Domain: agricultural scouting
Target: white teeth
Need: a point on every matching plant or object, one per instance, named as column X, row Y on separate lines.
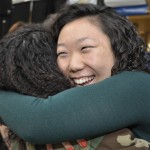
column 83, row 80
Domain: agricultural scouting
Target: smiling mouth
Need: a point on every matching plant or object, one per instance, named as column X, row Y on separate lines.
column 83, row 81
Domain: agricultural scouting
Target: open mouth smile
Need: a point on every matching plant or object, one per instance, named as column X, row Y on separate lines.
column 83, row 81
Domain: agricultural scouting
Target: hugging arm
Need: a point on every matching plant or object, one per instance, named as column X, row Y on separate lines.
column 1, row 121
column 82, row 112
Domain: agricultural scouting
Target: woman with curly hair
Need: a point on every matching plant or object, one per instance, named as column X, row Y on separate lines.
column 28, row 66
column 28, row 63
column 93, row 44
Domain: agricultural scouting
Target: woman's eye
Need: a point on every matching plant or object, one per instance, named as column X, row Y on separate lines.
column 61, row 54
column 86, row 47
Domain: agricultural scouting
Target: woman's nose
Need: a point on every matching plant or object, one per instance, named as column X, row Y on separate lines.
column 76, row 63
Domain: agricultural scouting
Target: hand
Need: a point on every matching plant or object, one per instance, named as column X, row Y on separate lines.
column 49, row 147
column 4, row 131
column 81, row 142
column 68, row 146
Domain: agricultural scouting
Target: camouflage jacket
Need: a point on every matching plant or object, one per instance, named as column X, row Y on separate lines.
column 119, row 140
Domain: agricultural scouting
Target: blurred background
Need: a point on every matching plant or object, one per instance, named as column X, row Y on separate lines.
column 36, row 11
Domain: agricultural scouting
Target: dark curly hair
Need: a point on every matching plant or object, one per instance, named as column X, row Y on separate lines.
column 28, row 63
column 127, row 45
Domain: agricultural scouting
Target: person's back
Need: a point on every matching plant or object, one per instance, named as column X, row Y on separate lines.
column 28, row 65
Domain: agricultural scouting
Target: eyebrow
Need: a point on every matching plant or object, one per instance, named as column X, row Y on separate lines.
column 78, row 40
column 60, row 44
column 85, row 38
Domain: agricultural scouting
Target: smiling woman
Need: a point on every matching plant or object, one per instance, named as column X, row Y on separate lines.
column 105, row 46
column 85, row 55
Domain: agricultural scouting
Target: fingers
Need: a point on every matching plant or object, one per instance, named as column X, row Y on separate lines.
column 4, row 131
column 82, row 143
column 67, row 146
column 49, row 147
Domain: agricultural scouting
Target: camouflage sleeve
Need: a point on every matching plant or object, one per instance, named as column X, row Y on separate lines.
column 118, row 102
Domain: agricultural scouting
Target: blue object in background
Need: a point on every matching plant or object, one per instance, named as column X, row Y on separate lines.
column 132, row 10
